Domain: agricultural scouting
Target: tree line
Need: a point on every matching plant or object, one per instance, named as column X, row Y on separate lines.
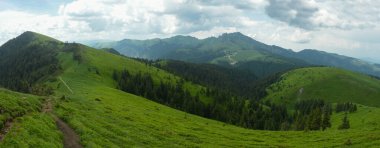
column 346, row 107
column 240, row 82
column 312, row 114
column 227, row 107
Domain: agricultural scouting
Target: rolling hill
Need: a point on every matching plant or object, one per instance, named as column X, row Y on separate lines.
column 331, row 84
column 86, row 96
column 120, row 118
column 236, row 50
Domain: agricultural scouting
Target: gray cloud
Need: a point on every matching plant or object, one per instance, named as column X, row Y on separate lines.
column 238, row 4
column 294, row 12
column 314, row 15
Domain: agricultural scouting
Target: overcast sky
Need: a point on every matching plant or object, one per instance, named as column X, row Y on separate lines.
column 348, row 27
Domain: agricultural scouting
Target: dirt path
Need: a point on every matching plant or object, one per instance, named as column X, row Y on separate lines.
column 46, row 108
column 70, row 138
column 7, row 126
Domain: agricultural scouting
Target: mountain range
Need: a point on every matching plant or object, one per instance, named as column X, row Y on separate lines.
column 236, row 50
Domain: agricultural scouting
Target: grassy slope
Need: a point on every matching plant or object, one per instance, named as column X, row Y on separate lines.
column 106, row 117
column 331, row 84
column 33, row 129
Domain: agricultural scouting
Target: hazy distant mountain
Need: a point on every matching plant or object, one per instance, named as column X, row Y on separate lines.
column 235, row 50
column 370, row 60
column 231, row 50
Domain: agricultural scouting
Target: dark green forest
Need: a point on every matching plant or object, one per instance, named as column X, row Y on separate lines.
column 24, row 62
column 227, row 107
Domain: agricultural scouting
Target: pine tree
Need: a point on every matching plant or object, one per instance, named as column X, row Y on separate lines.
column 326, row 118
column 114, row 75
column 345, row 123
column 315, row 119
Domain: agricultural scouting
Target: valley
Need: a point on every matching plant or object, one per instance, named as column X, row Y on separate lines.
column 189, row 74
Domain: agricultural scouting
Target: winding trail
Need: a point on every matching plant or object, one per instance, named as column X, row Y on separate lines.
column 7, row 126
column 70, row 138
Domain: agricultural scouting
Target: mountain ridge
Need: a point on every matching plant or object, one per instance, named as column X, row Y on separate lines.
column 210, row 50
column 231, row 50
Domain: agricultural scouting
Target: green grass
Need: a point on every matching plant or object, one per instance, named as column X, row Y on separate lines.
column 366, row 118
column 106, row 117
column 246, row 56
column 14, row 104
column 30, row 127
column 33, row 130
column 330, row 84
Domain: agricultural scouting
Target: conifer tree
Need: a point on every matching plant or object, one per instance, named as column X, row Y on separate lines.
column 345, row 123
column 326, row 118
column 315, row 119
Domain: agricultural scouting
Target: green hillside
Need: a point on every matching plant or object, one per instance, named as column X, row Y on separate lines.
column 86, row 97
column 105, row 116
column 21, row 115
column 27, row 60
column 330, row 84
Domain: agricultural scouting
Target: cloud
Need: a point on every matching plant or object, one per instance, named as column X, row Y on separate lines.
column 242, row 4
column 311, row 14
column 294, row 12
column 300, row 36
column 159, row 16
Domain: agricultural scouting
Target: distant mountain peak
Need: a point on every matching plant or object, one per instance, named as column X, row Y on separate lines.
column 238, row 36
column 29, row 36
column 183, row 37
column 30, row 33
column 233, row 34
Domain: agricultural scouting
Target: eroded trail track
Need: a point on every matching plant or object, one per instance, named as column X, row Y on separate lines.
column 70, row 138
column 7, row 126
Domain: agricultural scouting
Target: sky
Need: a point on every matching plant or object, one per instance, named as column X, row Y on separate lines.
column 347, row 27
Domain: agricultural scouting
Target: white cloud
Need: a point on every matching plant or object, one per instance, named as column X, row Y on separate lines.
column 301, row 36
column 14, row 23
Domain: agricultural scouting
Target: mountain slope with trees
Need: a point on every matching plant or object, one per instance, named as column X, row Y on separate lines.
column 26, row 60
column 230, row 50
column 168, row 127
column 113, row 101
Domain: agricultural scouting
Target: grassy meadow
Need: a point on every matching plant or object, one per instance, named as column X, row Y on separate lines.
column 29, row 126
column 106, row 117
column 330, row 84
